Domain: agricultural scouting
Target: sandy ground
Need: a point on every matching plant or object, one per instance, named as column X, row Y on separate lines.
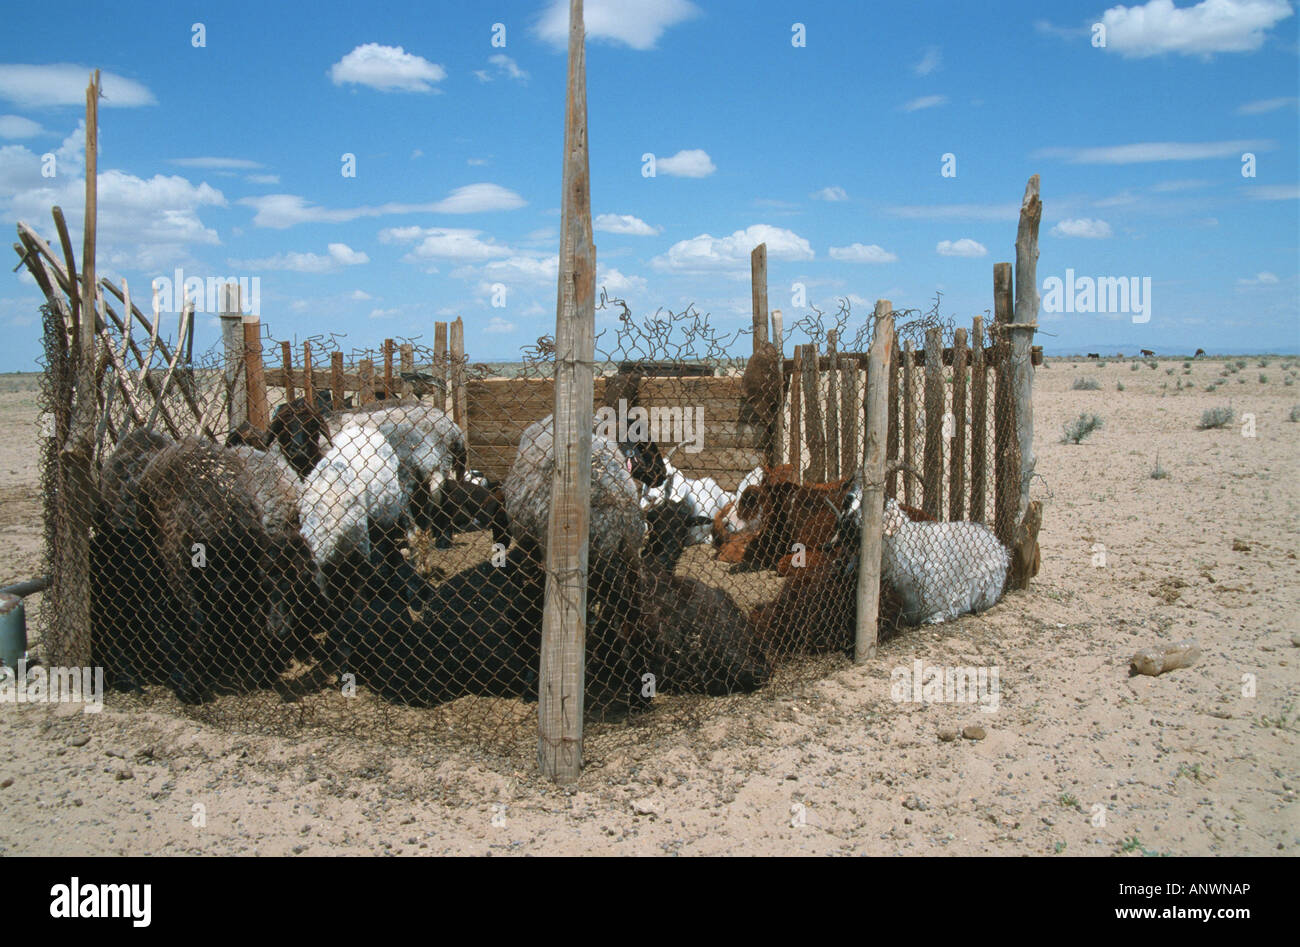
column 1078, row 759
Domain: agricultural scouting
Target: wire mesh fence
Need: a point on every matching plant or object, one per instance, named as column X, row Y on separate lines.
column 374, row 559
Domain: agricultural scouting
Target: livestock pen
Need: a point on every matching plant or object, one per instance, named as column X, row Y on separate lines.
column 407, row 545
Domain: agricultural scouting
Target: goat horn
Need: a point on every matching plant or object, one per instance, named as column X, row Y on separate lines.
column 669, row 456
column 834, row 508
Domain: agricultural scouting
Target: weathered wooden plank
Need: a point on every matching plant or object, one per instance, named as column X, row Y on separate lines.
column 849, row 413
column 813, row 424
column 1025, row 319
column 891, row 444
column 758, row 293
column 1006, row 448
column 932, row 461
column 832, row 407
column 957, row 468
column 866, row 635
column 259, row 411
column 979, row 382
column 909, row 422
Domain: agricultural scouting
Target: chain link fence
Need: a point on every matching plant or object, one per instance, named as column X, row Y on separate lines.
column 374, row 559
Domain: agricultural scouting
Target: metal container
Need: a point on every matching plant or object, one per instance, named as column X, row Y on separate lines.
column 13, row 630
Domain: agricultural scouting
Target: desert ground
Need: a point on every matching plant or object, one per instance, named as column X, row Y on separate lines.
column 1078, row 759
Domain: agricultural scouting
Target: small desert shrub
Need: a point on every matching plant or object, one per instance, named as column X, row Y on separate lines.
column 1289, row 380
column 1216, row 417
column 1158, row 472
column 1263, row 363
column 1080, row 427
column 1211, row 387
column 1187, row 364
column 1119, row 386
column 1241, row 381
column 1133, row 366
column 1169, row 371
column 1295, row 414
column 1086, row 384
column 1102, row 364
column 1240, row 363
column 1263, row 379
column 1153, row 365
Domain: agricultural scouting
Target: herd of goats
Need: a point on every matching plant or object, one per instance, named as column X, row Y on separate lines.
column 214, row 567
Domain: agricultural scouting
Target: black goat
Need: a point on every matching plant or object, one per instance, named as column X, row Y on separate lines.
column 465, row 507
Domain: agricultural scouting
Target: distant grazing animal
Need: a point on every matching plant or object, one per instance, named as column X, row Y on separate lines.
column 1199, row 353
column 1148, row 353
column 1094, row 355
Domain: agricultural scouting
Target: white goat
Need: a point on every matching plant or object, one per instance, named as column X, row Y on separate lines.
column 702, row 497
column 941, row 570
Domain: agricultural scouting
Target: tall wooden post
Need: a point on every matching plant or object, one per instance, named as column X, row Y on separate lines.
column 758, row 292
column 1024, row 323
column 286, row 359
column 232, row 337
column 308, row 382
column 1006, row 449
column 813, row 415
column 564, row 619
column 259, row 412
column 957, row 451
column 891, row 442
column 440, row 363
column 978, row 423
column 796, row 413
column 833, row 407
column 406, row 365
column 879, row 367
column 336, row 379
column 389, row 388
column 459, row 407
column 932, row 462
column 777, row 449
column 72, row 557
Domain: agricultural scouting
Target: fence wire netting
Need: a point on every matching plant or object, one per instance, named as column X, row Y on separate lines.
column 371, row 558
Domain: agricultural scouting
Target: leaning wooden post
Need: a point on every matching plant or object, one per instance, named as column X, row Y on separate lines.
column 459, row 407
column 308, row 382
column 1006, row 449
column 72, row 561
column 932, row 463
column 879, row 365
column 1024, row 323
column 978, row 423
column 758, row 292
column 564, row 619
column 259, row 412
column 833, row 407
column 957, row 468
column 232, row 337
column 777, row 448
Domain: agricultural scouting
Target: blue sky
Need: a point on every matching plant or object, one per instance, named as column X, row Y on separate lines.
column 226, row 159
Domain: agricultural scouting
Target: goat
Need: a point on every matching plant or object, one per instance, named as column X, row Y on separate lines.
column 701, row 494
column 246, row 435
column 464, row 506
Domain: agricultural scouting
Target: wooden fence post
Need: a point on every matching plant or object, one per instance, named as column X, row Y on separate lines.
column 308, row 382
column 286, row 359
column 459, row 408
column 1006, row 449
column 777, row 451
column 873, row 484
column 440, row 372
column 561, row 672
column 813, row 415
column 849, row 415
column 957, row 467
column 389, row 387
column 259, row 412
column 232, row 336
column 758, row 292
column 796, row 413
column 1025, row 322
column 891, row 442
column 909, row 422
column 406, row 365
column 979, row 432
column 932, row 463
column 366, row 382
column 833, row 407
column 337, row 392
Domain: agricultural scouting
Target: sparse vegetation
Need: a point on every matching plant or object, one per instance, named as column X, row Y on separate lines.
column 1240, row 363
column 1133, row 366
column 1295, row 414
column 1263, row 363
column 1086, row 384
column 1080, row 427
column 1263, row 379
column 1216, row 417
column 1153, row 364
column 1158, row 472
column 1187, row 365
column 1119, row 386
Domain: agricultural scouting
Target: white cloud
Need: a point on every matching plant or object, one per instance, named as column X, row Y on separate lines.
column 523, row 269
column 1085, row 227
column 707, row 252
column 222, row 164
column 497, row 325
column 65, row 84
column 625, row 224
column 339, row 254
column 1261, row 106
column 360, row 294
column 263, row 178
column 475, row 198
column 1144, row 152
column 444, row 243
column 833, row 193
column 476, row 162
column 925, row 102
column 617, row 283
column 387, row 69
column 1211, row 26
column 15, row 126
column 1260, row 279
column 931, row 61
column 691, row 163
column 384, row 313
column 508, row 67
column 964, row 247
column 638, row 25
column 858, row 253
column 285, row 210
